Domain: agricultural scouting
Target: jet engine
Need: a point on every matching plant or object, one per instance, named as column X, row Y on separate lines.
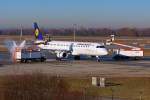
column 62, row 55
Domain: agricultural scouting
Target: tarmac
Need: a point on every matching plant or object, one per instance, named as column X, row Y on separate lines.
column 107, row 67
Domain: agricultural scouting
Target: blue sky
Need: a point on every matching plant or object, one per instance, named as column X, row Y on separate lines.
column 85, row 13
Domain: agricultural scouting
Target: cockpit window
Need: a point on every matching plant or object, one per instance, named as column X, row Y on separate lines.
column 100, row 47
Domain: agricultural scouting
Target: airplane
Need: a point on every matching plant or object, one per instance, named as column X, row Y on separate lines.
column 64, row 48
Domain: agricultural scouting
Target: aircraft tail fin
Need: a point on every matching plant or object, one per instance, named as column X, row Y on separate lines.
column 37, row 33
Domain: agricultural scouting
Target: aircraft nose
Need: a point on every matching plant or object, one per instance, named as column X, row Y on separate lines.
column 105, row 52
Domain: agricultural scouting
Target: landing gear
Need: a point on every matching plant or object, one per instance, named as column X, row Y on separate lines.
column 98, row 58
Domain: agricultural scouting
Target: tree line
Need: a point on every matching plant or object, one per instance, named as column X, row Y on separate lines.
column 83, row 32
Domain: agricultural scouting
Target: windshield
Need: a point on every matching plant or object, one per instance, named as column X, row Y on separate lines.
column 100, row 47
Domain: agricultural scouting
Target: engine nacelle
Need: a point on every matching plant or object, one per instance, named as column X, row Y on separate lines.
column 62, row 55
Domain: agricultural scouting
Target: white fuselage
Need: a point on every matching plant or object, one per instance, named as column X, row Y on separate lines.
column 76, row 48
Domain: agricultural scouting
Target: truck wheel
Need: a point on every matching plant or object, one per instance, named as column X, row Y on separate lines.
column 43, row 59
column 136, row 58
column 25, row 60
column 116, row 58
column 22, row 60
column 58, row 59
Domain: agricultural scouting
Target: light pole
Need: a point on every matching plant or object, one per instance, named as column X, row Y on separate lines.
column 21, row 33
column 112, row 90
column 74, row 32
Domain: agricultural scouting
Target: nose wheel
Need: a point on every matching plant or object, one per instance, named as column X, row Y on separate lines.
column 98, row 58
